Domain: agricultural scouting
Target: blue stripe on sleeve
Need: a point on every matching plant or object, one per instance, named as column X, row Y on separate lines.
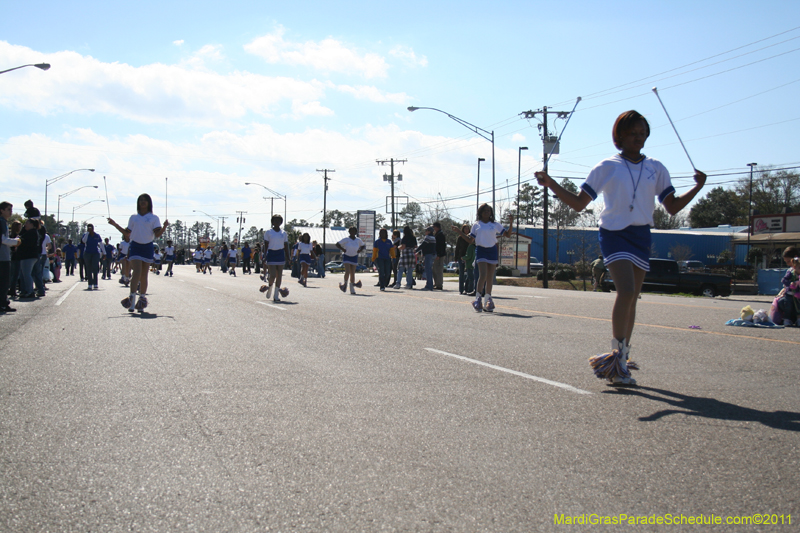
column 586, row 187
column 669, row 190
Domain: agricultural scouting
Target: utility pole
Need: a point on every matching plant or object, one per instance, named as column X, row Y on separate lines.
column 547, row 150
column 324, row 210
column 390, row 178
column 271, row 207
column 240, row 219
column 222, row 235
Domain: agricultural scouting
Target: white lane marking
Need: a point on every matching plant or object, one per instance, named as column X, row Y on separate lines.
column 514, row 372
column 522, row 296
column 212, row 288
column 60, row 300
column 270, row 305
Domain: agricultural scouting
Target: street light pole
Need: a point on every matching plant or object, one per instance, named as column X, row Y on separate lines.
column 42, row 66
column 60, row 196
column 49, row 182
column 478, row 194
column 519, row 175
column 278, row 195
column 212, row 217
column 488, row 135
column 83, row 205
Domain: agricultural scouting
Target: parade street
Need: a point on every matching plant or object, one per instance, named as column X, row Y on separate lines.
column 219, row 410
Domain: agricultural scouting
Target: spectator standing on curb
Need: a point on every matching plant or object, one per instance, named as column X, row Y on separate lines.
column 383, row 253
column 461, row 249
column 408, row 258
column 428, row 251
column 441, row 256
column 320, row 259
column 598, row 270
column 5, row 257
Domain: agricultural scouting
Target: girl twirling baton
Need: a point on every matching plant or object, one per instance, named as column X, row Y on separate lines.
column 629, row 182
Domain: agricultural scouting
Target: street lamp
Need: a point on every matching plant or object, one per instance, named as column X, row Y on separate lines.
column 49, row 182
column 750, row 208
column 519, row 173
column 488, row 135
column 60, row 196
column 43, row 66
column 83, row 205
column 277, row 194
column 212, row 217
column 478, row 195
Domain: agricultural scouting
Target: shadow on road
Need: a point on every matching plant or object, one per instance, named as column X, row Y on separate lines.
column 711, row 408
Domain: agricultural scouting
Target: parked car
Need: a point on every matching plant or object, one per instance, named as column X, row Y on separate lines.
column 665, row 276
column 534, row 265
column 451, row 267
column 334, row 266
column 692, row 266
column 337, row 266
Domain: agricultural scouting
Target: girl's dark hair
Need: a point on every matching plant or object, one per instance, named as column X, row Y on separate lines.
column 149, row 203
column 306, row 238
column 791, row 251
column 280, row 220
column 626, row 121
column 484, row 207
column 408, row 232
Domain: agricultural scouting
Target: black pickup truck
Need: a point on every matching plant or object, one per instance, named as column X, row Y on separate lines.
column 665, row 276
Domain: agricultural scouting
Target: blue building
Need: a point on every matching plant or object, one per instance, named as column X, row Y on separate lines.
column 706, row 244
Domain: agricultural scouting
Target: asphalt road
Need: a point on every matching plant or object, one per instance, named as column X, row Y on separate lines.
column 400, row 411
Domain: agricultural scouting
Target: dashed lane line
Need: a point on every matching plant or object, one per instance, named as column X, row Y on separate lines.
column 513, row 372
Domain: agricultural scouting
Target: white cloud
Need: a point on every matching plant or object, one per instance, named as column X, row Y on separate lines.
column 155, row 93
column 302, row 109
column 406, row 55
column 328, row 55
column 363, row 92
column 179, row 42
column 518, row 138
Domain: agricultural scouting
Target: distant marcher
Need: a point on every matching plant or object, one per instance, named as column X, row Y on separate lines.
column 484, row 235
column 350, row 246
column 70, row 250
column 276, row 244
column 246, row 252
column 306, row 255
column 169, row 258
column 92, row 252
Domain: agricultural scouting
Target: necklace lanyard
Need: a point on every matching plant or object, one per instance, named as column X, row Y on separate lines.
column 639, row 179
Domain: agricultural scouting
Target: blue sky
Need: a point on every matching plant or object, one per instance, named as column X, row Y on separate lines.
column 214, row 96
